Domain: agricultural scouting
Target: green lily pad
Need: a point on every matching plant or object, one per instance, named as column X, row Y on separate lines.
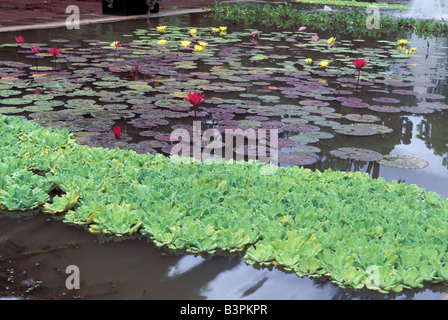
column 358, row 154
column 403, row 161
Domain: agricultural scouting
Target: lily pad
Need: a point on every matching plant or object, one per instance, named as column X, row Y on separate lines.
column 357, row 154
column 296, row 158
column 403, row 161
column 362, row 117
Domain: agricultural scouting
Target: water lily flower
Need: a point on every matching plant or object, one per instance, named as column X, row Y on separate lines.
column 202, row 43
column 331, row 42
column 324, row 63
column 162, row 41
column 36, row 50
column 115, row 44
column 359, row 63
column 302, row 28
column 118, row 132
column 19, row 40
column 55, row 52
column 185, row 43
column 193, row 31
column 195, row 99
column 309, row 60
column 198, row 48
column 401, row 47
column 254, row 33
column 215, row 30
column 402, row 41
column 414, row 49
column 223, row 28
column 161, row 28
column 315, row 38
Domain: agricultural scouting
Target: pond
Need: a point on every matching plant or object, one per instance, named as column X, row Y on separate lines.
column 393, row 127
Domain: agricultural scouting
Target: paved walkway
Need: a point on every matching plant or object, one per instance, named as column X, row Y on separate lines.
column 56, row 22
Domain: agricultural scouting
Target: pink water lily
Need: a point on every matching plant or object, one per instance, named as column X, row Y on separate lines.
column 254, row 33
column 55, row 52
column 359, row 63
column 315, row 38
column 195, row 99
column 36, row 50
column 118, row 132
column 19, row 40
column 302, row 28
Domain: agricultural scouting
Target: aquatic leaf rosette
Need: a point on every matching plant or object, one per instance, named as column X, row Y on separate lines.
column 358, row 231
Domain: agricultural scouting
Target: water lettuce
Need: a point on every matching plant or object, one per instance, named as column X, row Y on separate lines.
column 340, row 225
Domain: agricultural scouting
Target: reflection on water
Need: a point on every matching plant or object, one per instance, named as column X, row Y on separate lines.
column 134, row 269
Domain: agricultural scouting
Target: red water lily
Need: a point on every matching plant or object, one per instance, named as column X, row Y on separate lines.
column 118, row 132
column 195, row 99
column 55, row 52
column 359, row 63
column 19, row 40
column 36, row 50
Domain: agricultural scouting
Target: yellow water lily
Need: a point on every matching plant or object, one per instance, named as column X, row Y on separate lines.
column 162, row 41
column 401, row 47
column 413, row 49
column 185, row 43
column 331, row 41
column 223, row 28
column 324, row 63
column 309, row 60
column 402, row 41
column 202, row 43
column 193, row 31
column 115, row 44
column 215, row 30
column 161, row 28
column 198, row 48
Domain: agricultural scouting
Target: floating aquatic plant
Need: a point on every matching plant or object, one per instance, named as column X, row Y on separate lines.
column 333, row 224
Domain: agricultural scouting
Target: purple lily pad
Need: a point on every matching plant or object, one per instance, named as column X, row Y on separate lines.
column 417, row 110
column 147, row 123
column 386, row 100
column 358, row 105
column 300, row 127
column 432, row 96
column 386, row 109
column 296, row 158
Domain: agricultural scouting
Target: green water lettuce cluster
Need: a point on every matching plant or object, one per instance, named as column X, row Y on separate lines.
column 357, row 231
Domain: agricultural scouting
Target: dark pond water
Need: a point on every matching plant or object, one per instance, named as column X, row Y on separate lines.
column 261, row 82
